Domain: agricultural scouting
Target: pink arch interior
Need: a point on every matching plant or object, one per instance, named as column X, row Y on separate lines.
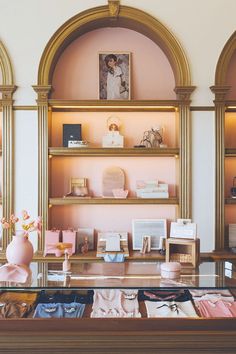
column 76, row 73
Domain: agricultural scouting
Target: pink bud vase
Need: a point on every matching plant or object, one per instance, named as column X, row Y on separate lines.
column 20, row 250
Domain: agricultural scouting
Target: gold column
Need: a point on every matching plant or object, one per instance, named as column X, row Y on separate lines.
column 185, row 191
column 7, row 156
column 42, row 102
column 220, row 95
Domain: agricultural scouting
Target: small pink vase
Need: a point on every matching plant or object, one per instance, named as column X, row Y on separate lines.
column 20, row 250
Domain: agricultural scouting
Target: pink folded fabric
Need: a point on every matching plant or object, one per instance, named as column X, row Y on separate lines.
column 15, row 273
column 217, row 309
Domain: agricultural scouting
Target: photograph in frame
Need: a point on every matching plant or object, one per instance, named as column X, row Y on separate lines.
column 155, row 228
column 114, row 75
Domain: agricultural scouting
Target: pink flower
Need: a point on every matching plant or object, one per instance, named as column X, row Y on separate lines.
column 13, row 219
column 3, row 220
column 6, row 225
column 25, row 215
column 38, row 224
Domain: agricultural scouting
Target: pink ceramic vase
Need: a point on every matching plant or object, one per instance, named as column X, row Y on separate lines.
column 20, row 250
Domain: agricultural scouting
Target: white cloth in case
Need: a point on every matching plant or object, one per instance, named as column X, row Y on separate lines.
column 170, row 309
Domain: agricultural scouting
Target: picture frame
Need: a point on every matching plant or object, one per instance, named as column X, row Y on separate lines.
column 155, row 228
column 114, row 75
column 183, row 228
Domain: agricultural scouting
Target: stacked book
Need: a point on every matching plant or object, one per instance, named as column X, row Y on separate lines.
column 151, row 189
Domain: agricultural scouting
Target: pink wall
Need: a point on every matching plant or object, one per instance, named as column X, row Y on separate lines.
column 230, row 77
column 117, row 217
column 133, row 125
column 230, row 127
column 135, row 168
column 76, row 73
column 230, row 172
column 108, row 217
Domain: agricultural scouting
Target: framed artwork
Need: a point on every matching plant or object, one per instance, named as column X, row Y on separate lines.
column 155, row 228
column 114, row 75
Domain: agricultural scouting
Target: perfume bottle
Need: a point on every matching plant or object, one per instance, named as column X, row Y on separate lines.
column 66, row 264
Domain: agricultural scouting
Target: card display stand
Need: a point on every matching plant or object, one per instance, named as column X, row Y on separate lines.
column 185, row 251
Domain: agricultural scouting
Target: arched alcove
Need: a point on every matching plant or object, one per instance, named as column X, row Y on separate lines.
column 62, row 72
column 225, row 129
column 130, row 18
column 76, row 73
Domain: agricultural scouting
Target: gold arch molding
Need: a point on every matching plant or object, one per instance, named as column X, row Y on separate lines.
column 5, row 66
column 224, row 60
column 128, row 17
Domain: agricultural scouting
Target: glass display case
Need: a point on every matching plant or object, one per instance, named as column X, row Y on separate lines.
column 120, row 286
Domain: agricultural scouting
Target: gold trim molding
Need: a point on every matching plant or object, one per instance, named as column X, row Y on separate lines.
column 220, row 96
column 114, row 7
column 129, row 17
column 185, row 190
column 224, row 60
column 5, row 65
column 7, row 155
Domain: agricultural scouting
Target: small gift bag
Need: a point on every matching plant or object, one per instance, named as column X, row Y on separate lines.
column 69, row 236
column 52, row 238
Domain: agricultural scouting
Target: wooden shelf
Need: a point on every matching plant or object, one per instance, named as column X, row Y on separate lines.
column 100, row 200
column 63, row 151
column 91, row 257
column 230, row 152
column 113, row 106
column 230, row 200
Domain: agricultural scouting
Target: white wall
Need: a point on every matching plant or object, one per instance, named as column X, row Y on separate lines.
column 202, row 28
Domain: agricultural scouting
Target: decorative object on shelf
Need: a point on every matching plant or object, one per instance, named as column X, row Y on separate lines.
column 103, row 247
column 112, row 242
column 51, row 237
column 78, row 188
column 146, row 245
column 59, row 249
column 151, row 189
column 114, row 75
column 83, row 233
column 233, row 189
column 185, row 251
column 170, row 270
column 140, row 146
column 113, row 178
column 66, row 266
column 78, row 144
column 153, row 138
column 20, row 250
column 84, row 247
column 232, row 235
column 113, row 138
column 71, row 132
column 155, row 228
column 183, row 228
column 120, row 193
column 69, row 236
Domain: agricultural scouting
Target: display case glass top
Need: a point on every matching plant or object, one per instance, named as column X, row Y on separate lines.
column 136, row 275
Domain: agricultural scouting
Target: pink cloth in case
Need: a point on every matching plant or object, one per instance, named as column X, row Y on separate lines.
column 218, row 309
column 115, row 303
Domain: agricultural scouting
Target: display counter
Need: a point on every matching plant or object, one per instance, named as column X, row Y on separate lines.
column 143, row 334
